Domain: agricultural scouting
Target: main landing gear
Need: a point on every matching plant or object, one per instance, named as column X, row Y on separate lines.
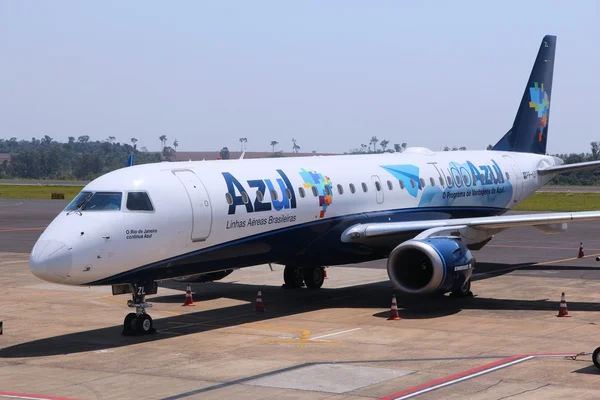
column 464, row 291
column 139, row 322
column 297, row 277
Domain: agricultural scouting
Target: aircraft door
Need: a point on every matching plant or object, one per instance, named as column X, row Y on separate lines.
column 378, row 189
column 516, row 179
column 200, row 203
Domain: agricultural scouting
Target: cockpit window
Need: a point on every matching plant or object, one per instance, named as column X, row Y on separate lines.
column 139, row 201
column 96, row 201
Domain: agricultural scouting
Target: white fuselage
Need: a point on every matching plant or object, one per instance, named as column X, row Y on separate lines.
column 211, row 207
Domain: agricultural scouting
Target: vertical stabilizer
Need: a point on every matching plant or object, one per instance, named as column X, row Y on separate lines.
column 529, row 132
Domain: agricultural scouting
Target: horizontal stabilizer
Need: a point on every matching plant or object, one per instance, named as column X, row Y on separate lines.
column 569, row 168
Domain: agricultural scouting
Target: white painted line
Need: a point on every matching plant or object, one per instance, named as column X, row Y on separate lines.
column 332, row 334
column 485, row 371
column 10, row 396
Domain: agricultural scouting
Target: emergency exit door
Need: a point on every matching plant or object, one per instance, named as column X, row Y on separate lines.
column 200, row 204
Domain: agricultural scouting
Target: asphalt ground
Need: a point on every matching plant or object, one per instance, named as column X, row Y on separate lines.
column 332, row 343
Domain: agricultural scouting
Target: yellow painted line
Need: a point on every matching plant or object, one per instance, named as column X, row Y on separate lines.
column 564, row 259
column 301, row 341
column 21, row 229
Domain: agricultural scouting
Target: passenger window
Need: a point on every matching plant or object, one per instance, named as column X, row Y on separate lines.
column 401, row 184
column 378, row 186
column 449, row 180
column 340, row 189
column 274, row 195
column 364, row 187
column 412, row 183
column 441, row 181
column 422, row 182
column 458, row 180
column 315, row 191
column 245, row 197
column 390, row 186
column 227, row 197
column 259, row 196
column 432, row 181
column 465, row 179
column 139, row 201
column 507, row 176
column 327, row 191
column 301, row 191
column 352, row 189
column 104, row 201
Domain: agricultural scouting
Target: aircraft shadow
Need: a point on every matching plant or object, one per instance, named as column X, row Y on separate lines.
column 278, row 302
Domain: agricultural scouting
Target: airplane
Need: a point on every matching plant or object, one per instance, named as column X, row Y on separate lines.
column 425, row 211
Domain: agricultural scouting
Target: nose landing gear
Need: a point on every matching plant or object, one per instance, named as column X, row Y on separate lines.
column 139, row 322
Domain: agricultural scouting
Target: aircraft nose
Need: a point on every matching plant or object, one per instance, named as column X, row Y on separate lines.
column 51, row 260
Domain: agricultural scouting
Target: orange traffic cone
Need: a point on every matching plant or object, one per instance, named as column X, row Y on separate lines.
column 562, row 311
column 260, row 306
column 394, row 311
column 189, row 301
column 580, row 255
column 325, row 273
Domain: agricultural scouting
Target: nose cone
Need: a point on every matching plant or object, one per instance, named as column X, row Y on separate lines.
column 51, row 260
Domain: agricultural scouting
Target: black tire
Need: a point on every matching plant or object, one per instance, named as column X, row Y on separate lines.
column 464, row 291
column 144, row 324
column 129, row 324
column 292, row 277
column 596, row 357
column 314, row 277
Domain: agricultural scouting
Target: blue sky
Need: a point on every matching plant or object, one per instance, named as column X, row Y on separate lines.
column 329, row 74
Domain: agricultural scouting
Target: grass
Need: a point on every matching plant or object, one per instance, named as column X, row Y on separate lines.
column 37, row 191
column 548, row 201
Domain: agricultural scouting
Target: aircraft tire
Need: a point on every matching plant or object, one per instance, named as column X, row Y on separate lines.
column 464, row 291
column 292, row 277
column 596, row 357
column 314, row 277
column 129, row 324
column 144, row 324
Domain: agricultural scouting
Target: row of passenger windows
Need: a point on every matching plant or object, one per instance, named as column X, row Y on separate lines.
column 458, row 181
column 110, row 201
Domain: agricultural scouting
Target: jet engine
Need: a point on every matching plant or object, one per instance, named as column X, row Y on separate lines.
column 203, row 278
column 427, row 266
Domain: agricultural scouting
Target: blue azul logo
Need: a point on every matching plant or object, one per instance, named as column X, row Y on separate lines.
column 285, row 197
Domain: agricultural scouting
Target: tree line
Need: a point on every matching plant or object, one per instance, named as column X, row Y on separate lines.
column 83, row 159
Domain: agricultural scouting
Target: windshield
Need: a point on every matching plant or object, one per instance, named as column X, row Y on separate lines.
column 96, row 201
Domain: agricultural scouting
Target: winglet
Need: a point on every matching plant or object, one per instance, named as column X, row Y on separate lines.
column 129, row 160
column 242, row 156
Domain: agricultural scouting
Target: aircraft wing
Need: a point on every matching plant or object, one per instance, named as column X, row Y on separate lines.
column 367, row 232
column 568, row 167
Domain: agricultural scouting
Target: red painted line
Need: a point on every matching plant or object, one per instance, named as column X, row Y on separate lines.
column 470, row 373
column 14, row 395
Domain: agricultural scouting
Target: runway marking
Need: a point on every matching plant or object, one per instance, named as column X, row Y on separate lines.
column 13, row 262
column 305, row 333
column 22, row 229
column 469, row 374
column 11, row 205
column 332, row 334
column 13, row 395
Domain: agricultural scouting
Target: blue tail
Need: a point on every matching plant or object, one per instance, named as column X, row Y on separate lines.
column 129, row 160
column 529, row 132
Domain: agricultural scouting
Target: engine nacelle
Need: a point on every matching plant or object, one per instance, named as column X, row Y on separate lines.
column 203, row 278
column 421, row 267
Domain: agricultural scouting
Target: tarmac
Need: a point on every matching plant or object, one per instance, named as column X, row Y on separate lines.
column 334, row 343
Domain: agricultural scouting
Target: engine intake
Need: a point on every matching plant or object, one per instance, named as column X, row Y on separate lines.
column 421, row 267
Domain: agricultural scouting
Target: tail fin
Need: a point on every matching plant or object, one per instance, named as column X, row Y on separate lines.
column 529, row 132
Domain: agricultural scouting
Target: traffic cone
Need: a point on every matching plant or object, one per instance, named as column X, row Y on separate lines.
column 325, row 273
column 562, row 311
column 580, row 255
column 189, row 301
column 260, row 306
column 394, row 310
